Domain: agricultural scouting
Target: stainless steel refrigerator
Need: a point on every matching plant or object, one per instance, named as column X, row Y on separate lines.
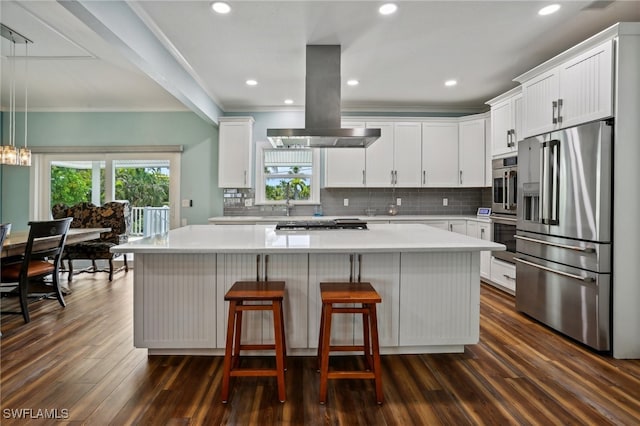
column 564, row 230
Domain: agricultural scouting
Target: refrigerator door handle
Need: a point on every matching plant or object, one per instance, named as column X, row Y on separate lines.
column 564, row 246
column 554, row 184
column 544, row 178
column 588, row 280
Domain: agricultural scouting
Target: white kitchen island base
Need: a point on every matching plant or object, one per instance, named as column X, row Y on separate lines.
column 430, row 286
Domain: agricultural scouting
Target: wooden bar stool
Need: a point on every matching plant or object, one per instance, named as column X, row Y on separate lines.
column 364, row 294
column 254, row 291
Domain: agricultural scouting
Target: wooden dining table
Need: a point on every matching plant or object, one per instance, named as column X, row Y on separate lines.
column 16, row 242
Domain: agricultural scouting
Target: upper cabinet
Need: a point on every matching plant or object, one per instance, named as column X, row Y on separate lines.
column 428, row 153
column 392, row 160
column 471, row 148
column 345, row 167
column 406, row 154
column 440, row 154
column 379, row 157
column 574, row 92
column 235, row 165
column 506, row 122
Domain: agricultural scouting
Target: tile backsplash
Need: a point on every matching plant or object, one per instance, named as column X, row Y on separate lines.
column 414, row 201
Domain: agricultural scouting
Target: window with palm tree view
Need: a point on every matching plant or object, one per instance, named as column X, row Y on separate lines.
column 288, row 174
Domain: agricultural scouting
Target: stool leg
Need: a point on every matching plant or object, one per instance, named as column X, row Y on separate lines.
column 319, row 357
column 228, row 351
column 326, row 341
column 235, row 356
column 368, row 361
column 279, row 338
column 377, row 368
column 284, row 336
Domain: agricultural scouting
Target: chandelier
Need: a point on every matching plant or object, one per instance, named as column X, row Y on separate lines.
column 10, row 153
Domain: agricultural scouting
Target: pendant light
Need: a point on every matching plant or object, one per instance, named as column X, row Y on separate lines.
column 9, row 154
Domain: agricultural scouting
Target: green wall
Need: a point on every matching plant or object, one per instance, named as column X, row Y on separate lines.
column 199, row 177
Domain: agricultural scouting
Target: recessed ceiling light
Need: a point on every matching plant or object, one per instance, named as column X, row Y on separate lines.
column 288, row 101
column 251, row 82
column 387, row 9
column 220, row 7
column 450, row 83
column 353, row 82
column 548, row 10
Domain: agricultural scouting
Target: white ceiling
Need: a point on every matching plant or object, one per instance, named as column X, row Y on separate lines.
column 101, row 61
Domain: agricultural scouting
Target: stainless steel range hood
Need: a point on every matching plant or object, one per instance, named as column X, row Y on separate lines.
column 322, row 108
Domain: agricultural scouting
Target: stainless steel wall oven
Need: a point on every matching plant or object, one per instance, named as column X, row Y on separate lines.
column 505, row 185
column 504, row 231
column 504, row 204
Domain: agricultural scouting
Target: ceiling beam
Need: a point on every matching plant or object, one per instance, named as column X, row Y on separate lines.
column 122, row 28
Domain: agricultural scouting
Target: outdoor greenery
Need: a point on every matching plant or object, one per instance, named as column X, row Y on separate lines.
column 296, row 184
column 141, row 186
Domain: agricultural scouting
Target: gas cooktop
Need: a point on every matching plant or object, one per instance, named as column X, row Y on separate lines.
column 347, row 223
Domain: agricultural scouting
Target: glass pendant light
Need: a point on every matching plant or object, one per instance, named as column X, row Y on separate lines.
column 9, row 154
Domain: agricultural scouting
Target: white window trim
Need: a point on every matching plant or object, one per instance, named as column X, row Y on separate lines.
column 40, row 179
column 261, row 146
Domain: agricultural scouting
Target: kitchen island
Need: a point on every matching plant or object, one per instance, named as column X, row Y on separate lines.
column 429, row 280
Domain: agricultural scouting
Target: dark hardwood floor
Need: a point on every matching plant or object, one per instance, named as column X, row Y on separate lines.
column 79, row 363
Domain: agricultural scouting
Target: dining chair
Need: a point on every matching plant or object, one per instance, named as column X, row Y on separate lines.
column 4, row 231
column 41, row 258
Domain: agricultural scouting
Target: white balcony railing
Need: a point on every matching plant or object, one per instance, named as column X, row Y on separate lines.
column 148, row 221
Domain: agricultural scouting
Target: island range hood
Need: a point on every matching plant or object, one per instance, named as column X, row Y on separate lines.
column 322, row 108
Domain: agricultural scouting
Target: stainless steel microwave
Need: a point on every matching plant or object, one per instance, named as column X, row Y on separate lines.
column 504, row 185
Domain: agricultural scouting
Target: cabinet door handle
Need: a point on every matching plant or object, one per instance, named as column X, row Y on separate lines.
column 245, row 177
column 559, row 111
column 364, row 178
column 258, row 267
column 424, row 177
column 359, row 267
column 391, row 177
column 266, row 267
column 554, row 106
column 350, row 268
column 451, row 227
column 508, row 138
column 460, row 177
column 395, row 177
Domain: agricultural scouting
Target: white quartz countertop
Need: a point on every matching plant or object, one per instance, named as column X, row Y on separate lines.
column 372, row 219
column 378, row 238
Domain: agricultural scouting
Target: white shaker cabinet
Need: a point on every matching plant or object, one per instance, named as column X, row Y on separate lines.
column 472, row 153
column 235, row 165
column 458, row 226
column 440, row 154
column 394, row 159
column 503, row 275
column 506, row 122
column 574, row 92
column 482, row 231
column 406, row 154
column 345, row 167
column 379, row 157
